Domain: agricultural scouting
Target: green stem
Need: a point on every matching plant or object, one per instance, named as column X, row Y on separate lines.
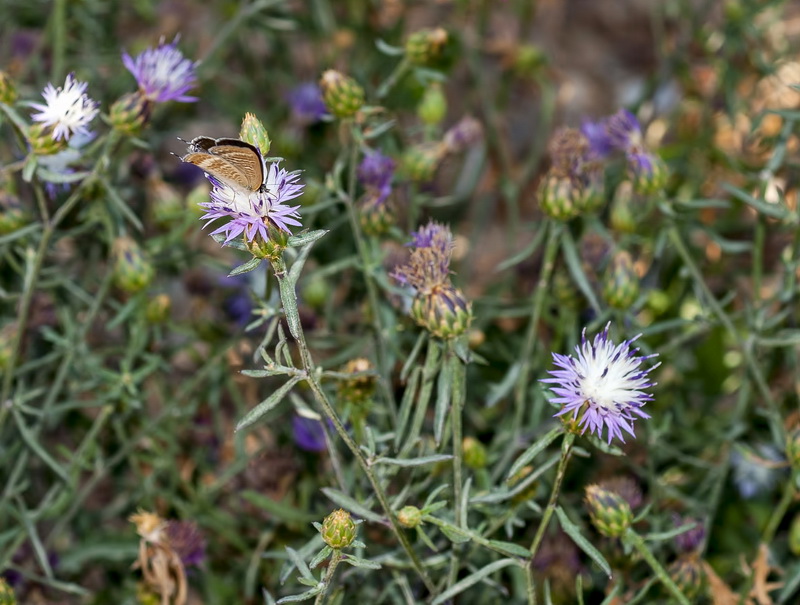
column 779, row 512
column 631, row 537
column 458, row 391
column 566, row 448
column 393, row 78
column 58, row 24
column 334, row 562
column 289, row 301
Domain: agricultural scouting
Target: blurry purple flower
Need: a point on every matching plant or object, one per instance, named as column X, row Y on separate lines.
column 752, row 476
column 603, row 385
column 689, row 540
column 163, row 73
column 68, row 109
column 464, row 134
column 375, row 172
column 618, row 132
column 187, row 541
column 429, row 265
column 306, row 103
column 308, row 434
column 251, row 214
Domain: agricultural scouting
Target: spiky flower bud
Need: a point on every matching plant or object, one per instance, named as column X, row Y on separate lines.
column 409, row 516
column 591, row 196
column 132, row 270
column 253, row 132
column 158, row 308
column 7, row 596
column 270, row 248
column 375, row 217
column 793, row 447
column 343, row 96
column 556, row 197
column 42, row 141
column 648, row 172
column 622, row 216
column 433, row 105
column 419, row 163
column 621, row 283
column 610, row 513
column 425, row 45
column 361, row 386
column 688, row 574
column 463, row 134
column 338, row 529
column 130, row 112
column 8, row 92
column 12, row 214
column 444, row 311
column 474, row 453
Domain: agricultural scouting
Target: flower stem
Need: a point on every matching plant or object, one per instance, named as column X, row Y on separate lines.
column 458, row 376
column 289, row 300
column 393, row 78
column 334, row 562
column 631, row 537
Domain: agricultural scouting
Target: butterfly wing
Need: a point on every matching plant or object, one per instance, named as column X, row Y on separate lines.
column 245, row 157
column 220, row 168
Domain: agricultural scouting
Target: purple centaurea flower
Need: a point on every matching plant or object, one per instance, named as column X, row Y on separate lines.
column 186, row 539
column 163, row 73
column 429, row 265
column 375, row 172
column 618, row 132
column 309, row 434
column 68, row 109
column 305, row 101
column 252, row 212
column 603, row 385
column 689, row 540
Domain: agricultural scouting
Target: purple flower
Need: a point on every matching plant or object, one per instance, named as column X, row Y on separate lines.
column 689, row 540
column 163, row 73
column 429, row 265
column 187, row 541
column 306, row 103
column 309, row 434
column 251, row 213
column 375, row 172
column 619, row 132
column 68, row 109
column 603, row 385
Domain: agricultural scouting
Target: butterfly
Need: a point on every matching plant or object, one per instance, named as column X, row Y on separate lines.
column 232, row 162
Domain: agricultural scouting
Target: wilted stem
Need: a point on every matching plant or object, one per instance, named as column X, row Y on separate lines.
column 638, row 543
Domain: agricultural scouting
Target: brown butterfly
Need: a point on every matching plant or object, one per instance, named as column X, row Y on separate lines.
column 232, row 162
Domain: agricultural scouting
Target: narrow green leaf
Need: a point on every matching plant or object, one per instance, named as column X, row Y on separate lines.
column 266, row 405
column 289, row 300
column 285, row 512
column 421, row 461
column 359, row 562
column 352, row 505
column 31, row 442
column 574, row 532
column 60, row 177
column 773, row 210
column 388, row 49
column 454, row 534
column 250, row 265
column 320, row 556
column 510, row 548
column 534, row 450
column 308, row 237
column 499, row 390
column 473, row 579
column 234, row 243
column 303, row 596
column 300, row 564
column 406, row 404
column 443, row 387
column 299, row 263
column 668, row 535
column 791, row 582
column 573, row 261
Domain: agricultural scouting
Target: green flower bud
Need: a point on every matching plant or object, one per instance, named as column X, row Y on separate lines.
column 8, row 92
column 7, row 596
column 41, row 140
column 648, row 172
column 409, row 516
column 794, row 536
column 621, row 283
column 338, row 529
column 270, row 249
column 166, row 203
column 253, row 132
column 12, row 214
column 528, row 60
column 419, row 163
column 592, row 195
column 132, row 270
column 130, row 113
column 425, row 45
column 556, row 197
column 360, row 388
column 622, row 215
column 375, row 217
column 610, row 513
column 343, row 96
column 316, row 292
column 793, row 447
column 158, row 309
column 688, row 574
column 474, row 453
column 433, row 105
column 444, row 312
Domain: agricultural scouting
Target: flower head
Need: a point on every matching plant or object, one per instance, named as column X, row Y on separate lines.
column 163, row 73
column 68, row 109
column 375, row 172
column 619, row 132
column 689, row 540
column 603, row 384
column 309, row 434
column 187, row 541
column 306, row 103
column 252, row 213
column 429, row 265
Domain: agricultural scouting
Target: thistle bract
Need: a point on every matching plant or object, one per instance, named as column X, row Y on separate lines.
column 338, row 529
column 610, row 513
column 343, row 96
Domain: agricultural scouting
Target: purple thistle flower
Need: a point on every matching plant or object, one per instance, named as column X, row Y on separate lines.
column 689, row 540
column 187, row 541
column 308, row 434
column 306, row 103
column 251, row 213
column 429, row 265
column 68, row 109
column 618, row 132
column 603, row 384
column 163, row 73
column 375, row 172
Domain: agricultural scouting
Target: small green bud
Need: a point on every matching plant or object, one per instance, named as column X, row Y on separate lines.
column 8, row 92
column 130, row 113
column 316, row 292
column 271, row 248
column 610, row 513
column 12, row 214
column 474, row 453
column 621, row 283
column 338, row 529
column 793, row 447
column 425, row 45
column 433, row 105
column 794, row 536
column 158, row 309
column 556, row 197
column 528, row 60
column 132, row 270
column 648, row 172
column 419, row 163
column 688, row 574
column 343, row 96
column 7, row 596
column 253, row 132
column 360, row 388
column 41, row 140
column 444, row 312
column 375, row 217
column 622, row 215
column 409, row 516
column 592, row 195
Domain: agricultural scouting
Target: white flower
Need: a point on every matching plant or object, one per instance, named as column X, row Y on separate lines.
column 68, row 110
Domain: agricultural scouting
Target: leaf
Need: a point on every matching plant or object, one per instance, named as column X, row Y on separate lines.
column 60, row 178
column 473, row 579
column 286, row 512
column 350, row 504
column 454, row 534
column 359, row 562
column 443, row 386
column 510, row 548
column 307, row 237
column 409, row 462
column 250, row 265
column 773, row 210
column 388, row 49
column 574, row 265
column 320, row 556
column 289, row 300
column 303, row 596
column 525, row 253
column 668, row 535
column 266, row 405
column 574, row 532
column 791, row 584
column 300, row 564
column 534, row 450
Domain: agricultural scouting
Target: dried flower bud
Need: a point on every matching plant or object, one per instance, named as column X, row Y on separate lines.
column 8, row 92
column 621, row 283
column 433, row 105
column 409, row 516
column 149, row 526
column 42, row 142
column 556, row 197
column 419, row 163
column 253, row 132
column 444, row 311
column 132, row 270
column 338, row 529
column 474, row 453
column 464, row 134
column 648, row 172
column 610, row 513
column 622, row 216
column 425, row 45
column 688, row 574
column 343, row 96
column 158, row 307
column 130, row 113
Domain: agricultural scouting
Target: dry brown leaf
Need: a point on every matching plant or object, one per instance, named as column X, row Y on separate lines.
column 721, row 593
column 761, row 571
